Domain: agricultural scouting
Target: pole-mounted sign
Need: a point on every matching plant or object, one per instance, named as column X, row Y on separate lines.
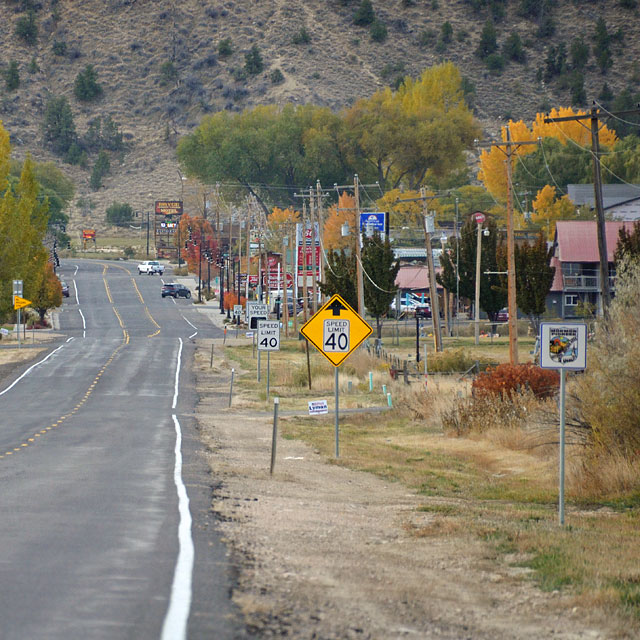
column 563, row 346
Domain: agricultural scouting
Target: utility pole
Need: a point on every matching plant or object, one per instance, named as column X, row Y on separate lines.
column 433, row 291
column 594, row 115
column 319, row 195
column 314, row 261
column 305, row 301
column 359, row 275
column 511, row 260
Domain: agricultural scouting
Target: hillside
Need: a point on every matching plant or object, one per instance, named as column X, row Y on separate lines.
column 160, row 69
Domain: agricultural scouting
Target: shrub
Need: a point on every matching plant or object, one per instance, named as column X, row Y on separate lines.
column 129, row 252
column 59, row 48
column 27, row 28
column 276, row 76
column 168, row 72
column 446, row 33
column 33, row 66
column 119, row 213
column 507, row 379
column 579, row 53
column 12, row 76
column 378, row 31
column 225, row 47
column 253, row 62
column 86, row 87
column 495, row 63
column 576, row 85
column 450, row 361
column 427, row 38
column 301, row 37
column 365, row 14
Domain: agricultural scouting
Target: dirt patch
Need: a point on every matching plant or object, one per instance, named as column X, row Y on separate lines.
column 325, row 552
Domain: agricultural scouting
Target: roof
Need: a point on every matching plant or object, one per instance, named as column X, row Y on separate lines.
column 612, row 194
column 577, row 240
column 413, row 278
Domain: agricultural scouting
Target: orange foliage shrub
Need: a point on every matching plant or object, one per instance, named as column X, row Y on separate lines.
column 231, row 299
column 507, row 379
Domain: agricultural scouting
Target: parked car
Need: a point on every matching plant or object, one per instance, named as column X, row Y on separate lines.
column 175, row 290
column 423, row 311
column 503, row 315
column 150, row 267
column 65, row 289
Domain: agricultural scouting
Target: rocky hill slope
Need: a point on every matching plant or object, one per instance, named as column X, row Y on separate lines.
column 160, row 68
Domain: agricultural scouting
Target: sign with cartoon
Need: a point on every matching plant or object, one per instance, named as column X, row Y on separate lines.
column 563, row 346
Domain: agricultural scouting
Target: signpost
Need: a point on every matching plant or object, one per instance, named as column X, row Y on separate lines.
column 17, row 299
column 563, row 346
column 268, row 340
column 336, row 330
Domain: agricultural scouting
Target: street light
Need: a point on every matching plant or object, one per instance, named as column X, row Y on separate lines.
column 479, row 218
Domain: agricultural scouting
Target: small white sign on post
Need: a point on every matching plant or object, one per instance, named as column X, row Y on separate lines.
column 563, row 346
column 4, row 332
column 268, row 335
column 318, row 407
column 237, row 310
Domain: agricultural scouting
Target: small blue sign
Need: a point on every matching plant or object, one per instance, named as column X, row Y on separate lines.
column 373, row 221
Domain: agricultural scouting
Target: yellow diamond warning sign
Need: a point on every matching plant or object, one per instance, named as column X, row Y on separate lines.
column 336, row 330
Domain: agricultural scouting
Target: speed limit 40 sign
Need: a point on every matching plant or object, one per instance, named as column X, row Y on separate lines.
column 268, row 335
column 336, row 330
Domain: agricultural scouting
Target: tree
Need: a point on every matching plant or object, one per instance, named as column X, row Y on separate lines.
column 602, row 46
column 628, row 246
column 100, row 169
column 493, row 293
column 534, row 277
column 59, row 129
column 625, row 161
column 27, row 28
column 119, row 213
column 513, row 49
column 253, row 62
column 48, row 292
column 86, row 87
column 338, row 215
column 340, row 277
column 548, row 209
column 488, row 40
column 365, row 14
column 380, row 269
column 12, row 76
column 578, row 53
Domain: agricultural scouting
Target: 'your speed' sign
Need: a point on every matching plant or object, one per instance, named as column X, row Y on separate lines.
column 268, row 335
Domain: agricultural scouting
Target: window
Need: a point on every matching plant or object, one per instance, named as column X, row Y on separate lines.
column 571, row 300
column 571, row 268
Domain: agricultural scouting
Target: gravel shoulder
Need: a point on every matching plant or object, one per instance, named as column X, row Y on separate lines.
column 325, row 552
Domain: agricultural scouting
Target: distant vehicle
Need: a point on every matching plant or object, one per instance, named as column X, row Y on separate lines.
column 150, row 267
column 423, row 311
column 503, row 315
column 65, row 289
column 175, row 290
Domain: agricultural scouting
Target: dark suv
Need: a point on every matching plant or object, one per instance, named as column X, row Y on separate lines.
column 175, row 290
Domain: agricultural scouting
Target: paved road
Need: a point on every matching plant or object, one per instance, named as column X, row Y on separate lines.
column 95, row 533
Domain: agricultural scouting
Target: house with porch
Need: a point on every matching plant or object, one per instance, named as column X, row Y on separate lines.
column 577, row 262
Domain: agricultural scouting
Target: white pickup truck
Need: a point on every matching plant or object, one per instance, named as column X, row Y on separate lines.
column 150, row 267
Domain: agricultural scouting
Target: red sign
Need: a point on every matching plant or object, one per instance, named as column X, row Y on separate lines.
column 276, row 283
column 307, row 252
column 479, row 217
column 169, row 207
column 89, row 234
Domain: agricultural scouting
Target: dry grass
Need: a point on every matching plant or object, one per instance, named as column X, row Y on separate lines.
column 498, row 483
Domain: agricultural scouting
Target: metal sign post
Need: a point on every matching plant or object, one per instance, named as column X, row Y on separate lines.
column 268, row 340
column 563, row 346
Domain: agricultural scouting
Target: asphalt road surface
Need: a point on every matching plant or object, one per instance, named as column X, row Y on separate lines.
column 105, row 527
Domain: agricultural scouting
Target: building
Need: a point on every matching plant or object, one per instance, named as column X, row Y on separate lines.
column 577, row 262
column 619, row 201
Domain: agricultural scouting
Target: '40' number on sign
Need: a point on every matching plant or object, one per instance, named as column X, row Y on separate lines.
column 336, row 336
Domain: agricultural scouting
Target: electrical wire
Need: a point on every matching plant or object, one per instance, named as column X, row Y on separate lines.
column 613, row 115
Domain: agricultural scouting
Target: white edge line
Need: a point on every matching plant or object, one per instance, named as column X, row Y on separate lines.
column 175, row 622
column 33, row 366
column 175, row 392
column 193, row 325
column 193, row 335
column 76, row 271
column 75, row 286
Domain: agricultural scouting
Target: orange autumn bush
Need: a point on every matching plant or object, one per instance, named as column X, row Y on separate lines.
column 506, row 379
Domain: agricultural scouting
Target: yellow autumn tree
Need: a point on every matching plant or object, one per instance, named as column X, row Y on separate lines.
column 281, row 223
column 577, row 131
column 548, row 209
column 343, row 212
column 493, row 161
